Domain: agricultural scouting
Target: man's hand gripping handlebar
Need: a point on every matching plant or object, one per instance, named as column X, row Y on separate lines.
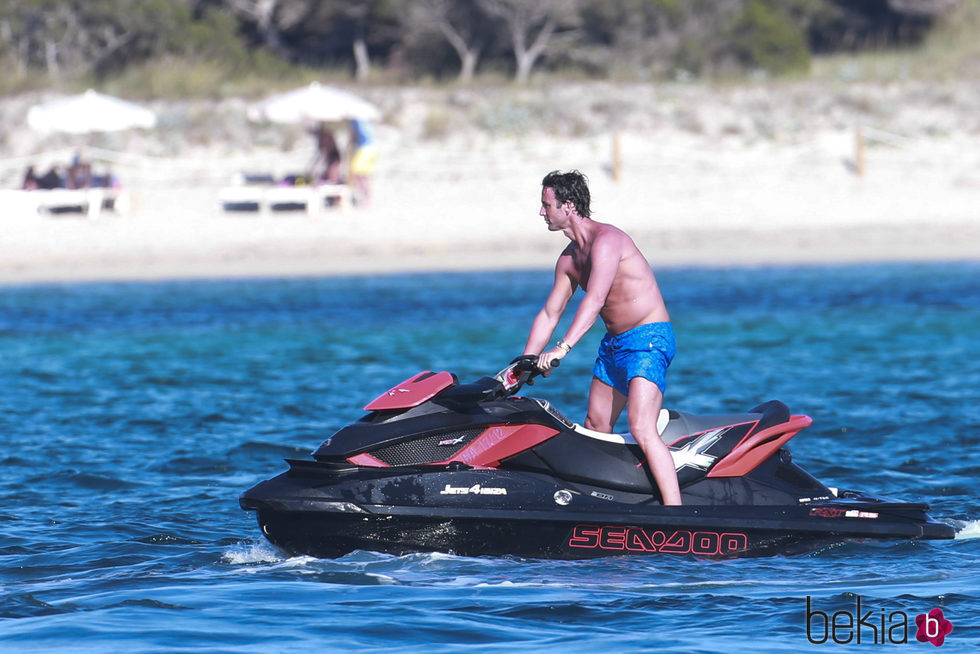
column 521, row 370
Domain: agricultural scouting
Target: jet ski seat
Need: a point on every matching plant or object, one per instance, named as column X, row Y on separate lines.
column 674, row 425
column 682, row 424
column 625, row 439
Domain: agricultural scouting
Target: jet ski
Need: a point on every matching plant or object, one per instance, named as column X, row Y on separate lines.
column 475, row 469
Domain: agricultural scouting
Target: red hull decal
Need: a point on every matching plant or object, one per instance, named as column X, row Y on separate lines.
column 747, row 455
column 412, row 392
column 367, row 461
column 500, row 442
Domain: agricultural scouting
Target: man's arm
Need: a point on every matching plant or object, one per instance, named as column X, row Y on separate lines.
column 604, row 260
column 604, row 263
column 547, row 319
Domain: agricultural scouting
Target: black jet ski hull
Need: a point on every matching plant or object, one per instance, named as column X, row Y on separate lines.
column 331, row 534
column 489, row 513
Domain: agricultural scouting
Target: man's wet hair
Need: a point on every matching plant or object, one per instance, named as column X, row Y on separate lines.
column 571, row 186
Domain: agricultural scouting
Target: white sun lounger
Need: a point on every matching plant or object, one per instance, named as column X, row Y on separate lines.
column 272, row 198
column 88, row 201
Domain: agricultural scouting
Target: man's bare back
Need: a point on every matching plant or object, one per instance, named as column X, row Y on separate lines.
column 634, row 297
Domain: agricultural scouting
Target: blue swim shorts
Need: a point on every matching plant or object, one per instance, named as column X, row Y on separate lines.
column 645, row 351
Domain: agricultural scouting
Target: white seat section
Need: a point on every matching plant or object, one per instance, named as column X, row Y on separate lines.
column 624, row 439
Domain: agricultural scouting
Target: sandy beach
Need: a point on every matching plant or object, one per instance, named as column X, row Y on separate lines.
column 720, row 192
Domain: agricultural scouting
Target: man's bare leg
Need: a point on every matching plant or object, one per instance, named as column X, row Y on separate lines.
column 605, row 405
column 645, row 401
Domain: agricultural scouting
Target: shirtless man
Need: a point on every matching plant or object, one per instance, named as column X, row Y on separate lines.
column 619, row 286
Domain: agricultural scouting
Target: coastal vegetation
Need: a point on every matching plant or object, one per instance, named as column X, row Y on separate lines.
column 179, row 49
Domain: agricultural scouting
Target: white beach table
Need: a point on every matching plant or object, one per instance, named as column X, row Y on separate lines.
column 268, row 198
column 89, row 201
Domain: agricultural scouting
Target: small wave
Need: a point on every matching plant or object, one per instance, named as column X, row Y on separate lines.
column 12, row 461
column 249, row 553
column 147, row 422
column 256, row 449
column 212, row 418
column 185, row 465
column 148, row 604
column 29, row 605
column 166, row 539
column 91, row 481
column 970, row 529
column 296, row 561
column 425, row 558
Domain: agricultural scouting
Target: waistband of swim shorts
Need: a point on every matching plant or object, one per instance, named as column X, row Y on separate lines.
column 641, row 331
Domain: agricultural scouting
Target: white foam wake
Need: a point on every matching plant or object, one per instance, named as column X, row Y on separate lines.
column 970, row 529
column 247, row 553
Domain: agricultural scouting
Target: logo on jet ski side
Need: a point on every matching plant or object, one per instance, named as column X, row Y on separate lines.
column 693, row 453
column 636, row 539
column 476, row 489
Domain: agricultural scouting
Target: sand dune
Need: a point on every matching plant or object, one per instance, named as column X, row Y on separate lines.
column 709, row 196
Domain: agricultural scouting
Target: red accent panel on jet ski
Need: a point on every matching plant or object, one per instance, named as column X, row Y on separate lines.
column 500, row 442
column 368, row 461
column 412, row 392
column 747, row 455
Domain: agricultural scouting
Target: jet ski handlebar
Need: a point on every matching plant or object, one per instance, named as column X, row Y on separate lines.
column 522, row 370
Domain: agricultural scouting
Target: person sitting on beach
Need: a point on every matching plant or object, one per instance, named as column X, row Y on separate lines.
column 620, row 287
column 30, row 182
column 79, row 173
column 326, row 165
column 51, row 179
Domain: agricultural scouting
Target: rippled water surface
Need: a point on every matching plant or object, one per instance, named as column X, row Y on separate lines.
column 132, row 416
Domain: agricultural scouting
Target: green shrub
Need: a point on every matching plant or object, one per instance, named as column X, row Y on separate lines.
column 763, row 36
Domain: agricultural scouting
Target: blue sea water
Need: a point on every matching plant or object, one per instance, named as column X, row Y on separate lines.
column 132, row 416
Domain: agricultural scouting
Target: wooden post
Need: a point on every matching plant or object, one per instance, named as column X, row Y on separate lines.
column 859, row 151
column 617, row 158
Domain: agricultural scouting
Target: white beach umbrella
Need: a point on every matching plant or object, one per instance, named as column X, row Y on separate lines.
column 313, row 103
column 89, row 112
